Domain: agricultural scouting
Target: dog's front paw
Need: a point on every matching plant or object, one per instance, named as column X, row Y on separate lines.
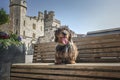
column 58, row 62
column 72, row 62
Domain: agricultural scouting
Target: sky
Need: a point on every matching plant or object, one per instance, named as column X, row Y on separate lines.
column 81, row 16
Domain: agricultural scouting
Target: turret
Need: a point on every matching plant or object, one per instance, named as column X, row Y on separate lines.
column 40, row 15
column 18, row 10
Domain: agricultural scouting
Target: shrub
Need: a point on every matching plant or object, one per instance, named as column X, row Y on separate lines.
column 7, row 40
column 3, row 17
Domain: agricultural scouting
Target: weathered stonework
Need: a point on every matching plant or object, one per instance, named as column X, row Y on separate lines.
column 28, row 27
column 49, row 34
column 8, row 56
column 4, row 28
column 33, row 30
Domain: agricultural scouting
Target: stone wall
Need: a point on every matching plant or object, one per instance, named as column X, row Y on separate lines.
column 8, row 56
column 49, row 35
column 5, row 28
column 31, row 25
column 32, row 29
column 50, row 32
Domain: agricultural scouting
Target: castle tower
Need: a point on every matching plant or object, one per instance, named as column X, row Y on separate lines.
column 18, row 10
column 48, row 19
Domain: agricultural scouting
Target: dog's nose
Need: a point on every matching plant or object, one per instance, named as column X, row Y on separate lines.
column 64, row 33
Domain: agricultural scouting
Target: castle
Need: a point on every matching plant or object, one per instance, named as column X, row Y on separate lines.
column 32, row 29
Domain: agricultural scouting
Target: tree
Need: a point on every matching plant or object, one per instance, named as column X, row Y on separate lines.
column 3, row 16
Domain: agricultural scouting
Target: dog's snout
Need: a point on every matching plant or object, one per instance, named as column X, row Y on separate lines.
column 64, row 33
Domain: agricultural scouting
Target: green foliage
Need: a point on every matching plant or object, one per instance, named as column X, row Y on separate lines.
column 4, row 18
column 12, row 40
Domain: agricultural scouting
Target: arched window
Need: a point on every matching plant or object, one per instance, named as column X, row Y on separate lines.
column 34, row 26
column 24, row 33
column 34, row 35
column 24, row 22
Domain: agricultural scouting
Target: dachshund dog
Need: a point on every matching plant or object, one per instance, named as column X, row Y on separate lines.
column 66, row 51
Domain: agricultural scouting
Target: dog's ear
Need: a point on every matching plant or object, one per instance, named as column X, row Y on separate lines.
column 70, row 37
column 56, row 38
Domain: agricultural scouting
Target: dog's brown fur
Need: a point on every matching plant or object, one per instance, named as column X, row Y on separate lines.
column 65, row 53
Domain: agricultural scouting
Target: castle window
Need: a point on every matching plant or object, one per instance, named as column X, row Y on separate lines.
column 41, row 20
column 34, row 26
column 50, row 28
column 24, row 2
column 41, row 28
column 24, row 22
column 34, row 35
column 16, row 32
column 46, row 29
column 24, row 33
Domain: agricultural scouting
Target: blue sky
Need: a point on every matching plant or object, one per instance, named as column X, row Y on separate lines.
column 80, row 15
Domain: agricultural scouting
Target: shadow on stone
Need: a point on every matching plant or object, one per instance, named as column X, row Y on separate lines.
column 12, row 54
